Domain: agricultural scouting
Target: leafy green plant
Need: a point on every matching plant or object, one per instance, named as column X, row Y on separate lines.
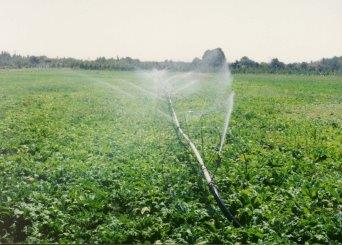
column 84, row 157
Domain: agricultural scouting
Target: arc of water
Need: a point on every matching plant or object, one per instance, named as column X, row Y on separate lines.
column 230, row 102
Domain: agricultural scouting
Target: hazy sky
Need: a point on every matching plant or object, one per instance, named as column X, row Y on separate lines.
column 292, row 30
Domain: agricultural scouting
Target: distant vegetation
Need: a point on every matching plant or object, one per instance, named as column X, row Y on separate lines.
column 324, row 66
column 209, row 62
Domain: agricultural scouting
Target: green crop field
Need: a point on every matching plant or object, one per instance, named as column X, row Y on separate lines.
column 86, row 156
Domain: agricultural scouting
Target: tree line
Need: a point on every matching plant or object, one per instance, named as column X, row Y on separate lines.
column 324, row 66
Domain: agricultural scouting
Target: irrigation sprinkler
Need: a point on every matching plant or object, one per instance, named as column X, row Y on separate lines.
column 212, row 187
column 165, row 90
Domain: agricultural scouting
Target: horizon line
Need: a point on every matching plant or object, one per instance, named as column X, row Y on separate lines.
column 165, row 60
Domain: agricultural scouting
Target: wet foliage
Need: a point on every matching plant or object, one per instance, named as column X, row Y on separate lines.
column 86, row 157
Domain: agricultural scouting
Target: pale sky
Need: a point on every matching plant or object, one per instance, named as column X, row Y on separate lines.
column 292, row 30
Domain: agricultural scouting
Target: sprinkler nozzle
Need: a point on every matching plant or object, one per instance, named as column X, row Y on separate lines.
column 218, row 160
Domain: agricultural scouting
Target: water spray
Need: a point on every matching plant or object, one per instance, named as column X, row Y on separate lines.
column 164, row 86
column 229, row 105
column 212, row 187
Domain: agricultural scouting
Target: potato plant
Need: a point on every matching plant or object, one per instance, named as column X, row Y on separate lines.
column 86, row 157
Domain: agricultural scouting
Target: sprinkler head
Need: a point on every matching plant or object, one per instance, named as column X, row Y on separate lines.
column 218, row 160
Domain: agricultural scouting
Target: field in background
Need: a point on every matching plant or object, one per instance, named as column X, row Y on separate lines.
column 86, row 157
